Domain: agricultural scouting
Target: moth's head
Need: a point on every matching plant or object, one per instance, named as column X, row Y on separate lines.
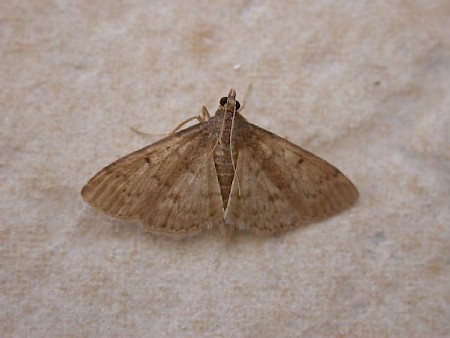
column 229, row 102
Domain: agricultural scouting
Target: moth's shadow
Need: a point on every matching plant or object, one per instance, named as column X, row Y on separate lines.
column 95, row 225
column 99, row 227
column 246, row 236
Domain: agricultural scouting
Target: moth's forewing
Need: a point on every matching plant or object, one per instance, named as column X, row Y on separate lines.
column 283, row 186
column 167, row 185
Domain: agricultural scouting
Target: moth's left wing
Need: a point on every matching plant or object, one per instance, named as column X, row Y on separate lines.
column 282, row 186
column 171, row 185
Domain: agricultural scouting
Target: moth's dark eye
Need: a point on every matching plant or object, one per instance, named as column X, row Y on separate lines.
column 223, row 102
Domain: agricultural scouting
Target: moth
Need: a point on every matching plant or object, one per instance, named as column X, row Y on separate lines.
column 224, row 173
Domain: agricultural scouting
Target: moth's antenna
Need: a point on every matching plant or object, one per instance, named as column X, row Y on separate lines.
column 231, row 150
column 246, row 96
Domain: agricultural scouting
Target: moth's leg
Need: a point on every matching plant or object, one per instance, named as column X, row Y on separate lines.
column 137, row 131
column 201, row 118
column 205, row 114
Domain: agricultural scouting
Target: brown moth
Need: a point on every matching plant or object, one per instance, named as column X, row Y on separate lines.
column 222, row 172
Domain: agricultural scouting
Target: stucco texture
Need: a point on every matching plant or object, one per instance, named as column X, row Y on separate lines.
column 363, row 84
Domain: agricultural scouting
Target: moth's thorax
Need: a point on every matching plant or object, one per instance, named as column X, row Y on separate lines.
column 223, row 112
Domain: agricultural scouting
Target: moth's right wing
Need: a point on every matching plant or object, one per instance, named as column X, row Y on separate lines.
column 282, row 186
column 171, row 185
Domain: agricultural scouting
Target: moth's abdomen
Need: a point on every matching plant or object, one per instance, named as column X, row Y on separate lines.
column 224, row 170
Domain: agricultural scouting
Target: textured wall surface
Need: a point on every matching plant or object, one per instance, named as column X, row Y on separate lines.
column 363, row 84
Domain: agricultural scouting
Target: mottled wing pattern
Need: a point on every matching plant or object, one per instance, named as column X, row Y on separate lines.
column 170, row 185
column 283, row 186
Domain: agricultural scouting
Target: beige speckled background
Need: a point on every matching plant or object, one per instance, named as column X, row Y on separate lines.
column 364, row 84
